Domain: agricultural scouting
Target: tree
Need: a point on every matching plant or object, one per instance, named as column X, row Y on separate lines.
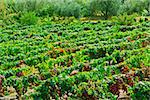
column 107, row 8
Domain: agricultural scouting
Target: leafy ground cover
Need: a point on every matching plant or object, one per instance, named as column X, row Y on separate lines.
column 77, row 60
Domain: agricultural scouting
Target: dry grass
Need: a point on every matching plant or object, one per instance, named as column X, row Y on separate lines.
column 2, row 8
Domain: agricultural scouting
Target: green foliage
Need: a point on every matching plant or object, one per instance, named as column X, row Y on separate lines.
column 106, row 8
column 145, row 13
column 80, row 60
column 29, row 18
column 64, row 20
column 24, row 5
column 86, row 10
column 77, row 8
column 134, row 6
column 141, row 90
column 47, row 10
column 62, row 57
column 125, row 19
column 68, row 9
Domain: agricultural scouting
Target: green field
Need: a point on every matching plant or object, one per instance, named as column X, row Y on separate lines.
column 79, row 60
column 74, row 49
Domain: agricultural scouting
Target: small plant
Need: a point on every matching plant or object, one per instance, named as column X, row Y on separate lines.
column 125, row 19
column 141, row 91
column 29, row 18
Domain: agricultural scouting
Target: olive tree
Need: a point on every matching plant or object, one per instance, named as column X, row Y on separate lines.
column 107, row 8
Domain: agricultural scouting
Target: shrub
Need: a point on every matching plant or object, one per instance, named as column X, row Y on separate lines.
column 106, row 8
column 85, row 10
column 29, row 18
column 24, row 5
column 48, row 10
column 76, row 8
column 147, row 7
column 68, row 9
column 141, row 91
column 135, row 6
column 125, row 19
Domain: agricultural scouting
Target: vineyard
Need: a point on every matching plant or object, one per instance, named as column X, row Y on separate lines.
column 76, row 60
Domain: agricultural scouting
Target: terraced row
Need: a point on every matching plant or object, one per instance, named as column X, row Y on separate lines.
column 81, row 61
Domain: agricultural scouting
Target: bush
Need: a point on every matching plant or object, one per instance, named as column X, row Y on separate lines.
column 29, row 18
column 125, row 19
column 147, row 7
column 16, row 6
column 76, row 8
column 135, row 6
column 106, row 8
column 85, row 10
column 68, row 9
column 141, row 91
column 48, row 10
